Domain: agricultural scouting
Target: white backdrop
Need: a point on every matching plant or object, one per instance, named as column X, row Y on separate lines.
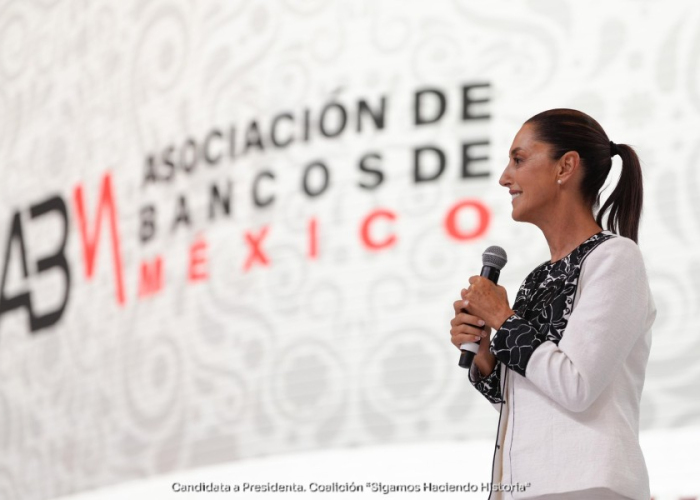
column 319, row 322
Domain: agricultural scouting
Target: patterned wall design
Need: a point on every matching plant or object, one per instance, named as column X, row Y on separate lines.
column 351, row 348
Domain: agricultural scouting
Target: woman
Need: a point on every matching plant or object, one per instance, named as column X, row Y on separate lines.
column 565, row 366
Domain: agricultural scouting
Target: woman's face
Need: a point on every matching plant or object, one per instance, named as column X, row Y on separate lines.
column 530, row 177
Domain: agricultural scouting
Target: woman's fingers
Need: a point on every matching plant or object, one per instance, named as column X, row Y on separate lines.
column 466, row 327
column 462, row 338
column 471, row 330
column 468, row 330
column 468, row 319
column 459, row 305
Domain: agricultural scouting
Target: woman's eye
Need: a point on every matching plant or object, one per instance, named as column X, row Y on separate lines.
column 516, row 160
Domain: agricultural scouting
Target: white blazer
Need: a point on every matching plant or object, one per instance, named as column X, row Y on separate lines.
column 572, row 422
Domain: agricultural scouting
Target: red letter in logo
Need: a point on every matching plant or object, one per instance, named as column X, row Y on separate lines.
column 482, row 215
column 151, row 280
column 313, row 238
column 255, row 251
column 198, row 261
column 105, row 204
column 364, row 232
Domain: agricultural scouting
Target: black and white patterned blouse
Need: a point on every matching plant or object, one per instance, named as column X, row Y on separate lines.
column 542, row 308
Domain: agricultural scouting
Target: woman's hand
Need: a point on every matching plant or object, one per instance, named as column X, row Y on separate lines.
column 466, row 327
column 487, row 300
column 469, row 328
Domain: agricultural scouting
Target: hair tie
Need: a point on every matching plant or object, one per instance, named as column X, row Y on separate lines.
column 614, row 150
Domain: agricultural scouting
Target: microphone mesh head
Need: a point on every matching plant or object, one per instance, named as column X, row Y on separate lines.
column 494, row 257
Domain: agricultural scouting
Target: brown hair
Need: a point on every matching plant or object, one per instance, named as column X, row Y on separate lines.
column 571, row 130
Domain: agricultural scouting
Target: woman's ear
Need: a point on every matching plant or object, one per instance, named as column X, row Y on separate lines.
column 568, row 166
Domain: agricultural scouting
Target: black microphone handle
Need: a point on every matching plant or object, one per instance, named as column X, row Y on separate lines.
column 466, row 357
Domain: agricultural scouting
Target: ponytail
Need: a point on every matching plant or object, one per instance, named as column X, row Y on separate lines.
column 625, row 202
column 571, row 130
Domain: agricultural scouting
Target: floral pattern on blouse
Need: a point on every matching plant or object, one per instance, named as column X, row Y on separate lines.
column 542, row 309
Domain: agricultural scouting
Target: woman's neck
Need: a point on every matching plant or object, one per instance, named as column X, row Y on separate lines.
column 567, row 231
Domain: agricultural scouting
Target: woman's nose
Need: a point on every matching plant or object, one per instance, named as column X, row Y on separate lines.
column 505, row 178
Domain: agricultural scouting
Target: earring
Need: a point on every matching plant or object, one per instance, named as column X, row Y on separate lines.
column 559, row 182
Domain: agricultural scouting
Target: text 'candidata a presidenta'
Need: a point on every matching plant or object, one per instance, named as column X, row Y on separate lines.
column 347, row 487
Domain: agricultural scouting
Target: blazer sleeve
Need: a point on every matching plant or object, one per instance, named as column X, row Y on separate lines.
column 490, row 386
column 611, row 314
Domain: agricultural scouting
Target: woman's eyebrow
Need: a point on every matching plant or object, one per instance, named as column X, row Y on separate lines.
column 515, row 150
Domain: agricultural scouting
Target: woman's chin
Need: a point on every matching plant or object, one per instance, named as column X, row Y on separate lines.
column 518, row 216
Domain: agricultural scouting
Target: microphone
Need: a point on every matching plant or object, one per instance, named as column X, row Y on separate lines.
column 493, row 259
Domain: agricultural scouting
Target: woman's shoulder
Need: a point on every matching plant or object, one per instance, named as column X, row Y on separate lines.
column 618, row 248
column 618, row 256
column 616, row 271
column 600, row 250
